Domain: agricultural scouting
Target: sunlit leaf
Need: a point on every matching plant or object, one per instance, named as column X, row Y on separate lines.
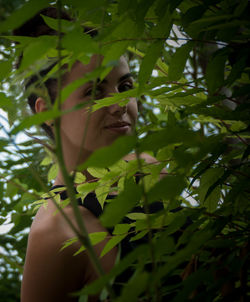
column 53, row 172
column 116, row 210
column 112, row 243
column 95, row 238
column 79, row 178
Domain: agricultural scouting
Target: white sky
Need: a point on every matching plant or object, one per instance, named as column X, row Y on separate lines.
column 4, row 228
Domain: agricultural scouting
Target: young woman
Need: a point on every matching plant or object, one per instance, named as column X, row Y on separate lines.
column 51, row 274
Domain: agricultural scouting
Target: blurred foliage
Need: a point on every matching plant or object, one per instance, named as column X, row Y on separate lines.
column 191, row 62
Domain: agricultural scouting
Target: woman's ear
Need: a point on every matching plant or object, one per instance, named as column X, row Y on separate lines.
column 40, row 105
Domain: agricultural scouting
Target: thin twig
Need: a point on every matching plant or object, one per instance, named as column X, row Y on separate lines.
column 41, row 142
column 234, row 133
column 165, row 38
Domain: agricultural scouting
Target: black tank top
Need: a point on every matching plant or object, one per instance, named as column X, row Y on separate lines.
column 91, row 203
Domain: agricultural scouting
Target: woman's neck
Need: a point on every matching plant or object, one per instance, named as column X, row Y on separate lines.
column 72, row 159
column 71, row 165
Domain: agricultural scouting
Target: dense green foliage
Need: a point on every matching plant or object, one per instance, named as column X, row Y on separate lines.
column 191, row 62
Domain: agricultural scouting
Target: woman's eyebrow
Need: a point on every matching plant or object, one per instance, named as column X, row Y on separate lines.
column 122, row 78
column 125, row 76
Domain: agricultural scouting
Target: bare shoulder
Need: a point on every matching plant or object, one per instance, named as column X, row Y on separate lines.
column 50, row 273
column 47, row 268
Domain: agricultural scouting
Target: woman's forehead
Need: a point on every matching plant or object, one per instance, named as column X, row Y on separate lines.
column 78, row 70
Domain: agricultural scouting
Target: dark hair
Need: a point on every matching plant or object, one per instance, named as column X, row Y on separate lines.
column 36, row 27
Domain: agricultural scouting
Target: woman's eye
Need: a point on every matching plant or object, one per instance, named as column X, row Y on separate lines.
column 125, row 86
column 89, row 92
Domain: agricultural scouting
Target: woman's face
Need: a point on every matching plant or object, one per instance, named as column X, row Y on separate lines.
column 105, row 124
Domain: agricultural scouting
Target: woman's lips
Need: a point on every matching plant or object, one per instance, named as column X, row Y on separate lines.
column 121, row 128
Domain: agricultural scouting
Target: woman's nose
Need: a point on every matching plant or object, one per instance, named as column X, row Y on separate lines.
column 115, row 108
column 111, row 90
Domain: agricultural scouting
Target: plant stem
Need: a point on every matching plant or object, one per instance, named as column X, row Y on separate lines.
column 150, row 233
column 83, row 236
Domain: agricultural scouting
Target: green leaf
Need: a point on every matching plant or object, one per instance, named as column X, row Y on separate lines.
column 21, row 15
column 95, row 238
column 97, row 172
column 87, row 187
column 192, row 283
column 53, row 23
column 121, row 229
column 207, row 180
column 242, row 6
column 237, row 69
column 203, row 166
column 165, row 22
column 167, row 188
column 23, row 40
column 179, row 101
column 113, row 51
column 176, row 224
column 246, row 153
column 193, row 14
column 21, row 221
column 212, row 199
column 78, row 42
column 216, row 70
column 169, row 135
column 136, row 216
column 112, row 243
column 194, row 243
column 139, row 235
column 218, row 182
column 79, row 178
column 36, row 50
column 238, row 126
column 117, row 98
column 100, row 283
column 5, row 69
column 101, row 193
column 205, row 21
column 69, row 242
column 5, row 102
column 102, row 157
column 135, row 287
column 120, row 206
column 46, row 161
column 11, row 190
column 178, row 61
column 1, row 190
column 148, row 62
column 53, row 171
column 36, row 119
